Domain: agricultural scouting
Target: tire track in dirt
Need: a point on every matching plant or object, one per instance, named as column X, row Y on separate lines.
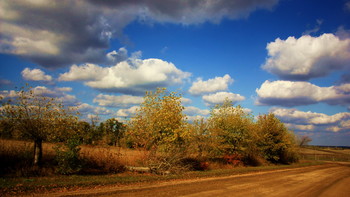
column 325, row 180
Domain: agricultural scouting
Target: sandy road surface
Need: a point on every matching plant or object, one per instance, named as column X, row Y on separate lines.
column 323, row 180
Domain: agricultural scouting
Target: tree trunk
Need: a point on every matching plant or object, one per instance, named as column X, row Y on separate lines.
column 38, row 152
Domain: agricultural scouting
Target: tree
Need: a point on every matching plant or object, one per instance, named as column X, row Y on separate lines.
column 230, row 126
column 113, row 131
column 275, row 141
column 304, row 140
column 39, row 118
column 159, row 126
column 159, row 120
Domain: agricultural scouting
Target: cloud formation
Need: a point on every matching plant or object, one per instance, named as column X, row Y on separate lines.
column 201, row 87
column 193, row 111
column 220, row 97
column 129, row 77
column 58, row 93
column 311, row 121
column 85, row 108
column 127, row 112
column 307, row 57
column 290, row 93
column 35, row 75
column 59, row 33
column 117, row 101
column 188, row 12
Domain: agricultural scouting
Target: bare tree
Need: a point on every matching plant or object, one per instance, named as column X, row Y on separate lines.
column 304, row 140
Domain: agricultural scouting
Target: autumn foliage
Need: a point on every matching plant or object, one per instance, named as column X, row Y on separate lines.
column 159, row 130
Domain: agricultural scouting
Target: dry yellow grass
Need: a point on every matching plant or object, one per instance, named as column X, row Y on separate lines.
column 113, row 155
column 107, row 154
column 313, row 151
column 23, row 146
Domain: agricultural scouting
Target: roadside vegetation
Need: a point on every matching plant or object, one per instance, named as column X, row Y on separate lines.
column 42, row 137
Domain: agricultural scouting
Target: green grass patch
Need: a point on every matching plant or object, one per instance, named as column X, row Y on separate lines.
column 17, row 186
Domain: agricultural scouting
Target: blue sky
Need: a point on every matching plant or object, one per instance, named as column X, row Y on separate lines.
column 287, row 57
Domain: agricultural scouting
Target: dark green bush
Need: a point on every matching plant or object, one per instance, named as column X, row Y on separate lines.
column 68, row 158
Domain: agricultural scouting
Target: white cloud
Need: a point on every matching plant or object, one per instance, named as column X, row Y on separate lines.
column 8, row 94
column 307, row 57
column 84, row 72
column 311, row 121
column 64, row 89
column 289, row 93
column 193, row 111
column 35, row 75
column 220, row 97
column 117, row 101
column 56, row 93
column 85, row 108
column 131, row 77
column 127, row 112
column 185, row 101
column 200, row 87
column 300, row 127
column 194, row 118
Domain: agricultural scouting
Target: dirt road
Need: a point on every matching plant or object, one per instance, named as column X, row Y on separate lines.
column 323, row 180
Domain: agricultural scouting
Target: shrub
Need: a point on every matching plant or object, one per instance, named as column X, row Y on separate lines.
column 234, row 159
column 193, row 164
column 68, row 158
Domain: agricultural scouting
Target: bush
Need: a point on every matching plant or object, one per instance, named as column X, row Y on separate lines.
column 193, row 164
column 254, row 160
column 68, row 158
column 234, row 159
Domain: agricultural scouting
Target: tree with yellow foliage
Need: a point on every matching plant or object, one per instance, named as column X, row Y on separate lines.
column 159, row 126
column 39, row 118
column 276, row 143
column 230, row 126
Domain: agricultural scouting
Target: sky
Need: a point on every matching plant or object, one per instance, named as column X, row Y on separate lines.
column 287, row 57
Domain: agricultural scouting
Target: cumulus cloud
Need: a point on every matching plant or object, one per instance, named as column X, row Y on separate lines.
column 85, row 108
column 115, row 57
column 200, row 87
column 195, row 118
column 311, row 121
column 289, row 93
column 56, row 93
column 130, row 77
column 220, row 97
column 185, row 101
column 117, row 101
column 127, row 112
column 35, row 75
column 307, row 57
column 64, row 89
column 84, row 72
column 58, row 33
column 193, row 111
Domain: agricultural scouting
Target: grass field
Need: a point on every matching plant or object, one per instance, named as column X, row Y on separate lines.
column 16, row 158
column 325, row 154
